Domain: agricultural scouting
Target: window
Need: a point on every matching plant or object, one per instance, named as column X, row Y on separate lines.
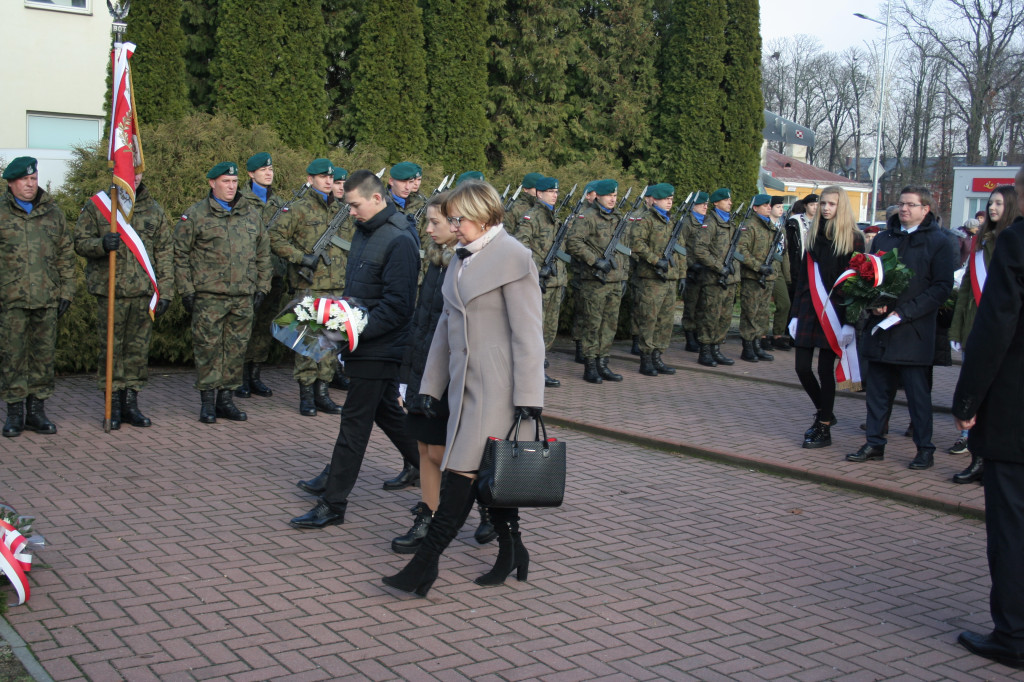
column 79, row 6
column 47, row 131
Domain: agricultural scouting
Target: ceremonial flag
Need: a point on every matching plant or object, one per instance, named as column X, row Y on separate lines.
column 125, row 149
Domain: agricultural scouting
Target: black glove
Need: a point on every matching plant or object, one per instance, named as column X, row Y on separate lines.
column 682, row 287
column 161, row 307
column 111, row 240
column 189, row 302
column 62, row 306
column 766, row 270
column 663, row 265
column 310, row 261
column 257, row 300
column 546, row 271
column 604, row 264
column 528, row 412
column 428, row 406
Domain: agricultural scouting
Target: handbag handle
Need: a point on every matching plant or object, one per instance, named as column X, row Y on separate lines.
column 539, row 427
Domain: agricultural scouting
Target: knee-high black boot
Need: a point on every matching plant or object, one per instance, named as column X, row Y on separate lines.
column 512, row 555
column 457, row 497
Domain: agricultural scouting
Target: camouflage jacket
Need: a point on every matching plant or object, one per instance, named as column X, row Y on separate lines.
column 37, row 255
column 648, row 238
column 536, row 230
column 590, row 233
column 267, row 212
column 130, row 279
column 711, row 245
column 523, row 203
column 217, row 252
column 755, row 243
column 296, row 232
column 689, row 237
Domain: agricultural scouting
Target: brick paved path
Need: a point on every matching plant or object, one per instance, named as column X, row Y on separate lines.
column 169, row 556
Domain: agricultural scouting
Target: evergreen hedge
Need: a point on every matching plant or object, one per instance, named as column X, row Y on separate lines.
column 158, row 66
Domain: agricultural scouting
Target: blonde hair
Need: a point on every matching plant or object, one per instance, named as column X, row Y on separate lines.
column 841, row 228
column 476, row 200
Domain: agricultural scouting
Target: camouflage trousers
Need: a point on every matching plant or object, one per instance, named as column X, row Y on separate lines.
column 654, row 312
column 780, row 294
column 28, row 338
column 133, row 329
column 714, row 312
column 633, row 291
column 221, row 326
column 260, row 341
column 600, row 317
column 575, row 288
column 690, row 297
column 552, row 300
column 308, row 370
column 755, row 310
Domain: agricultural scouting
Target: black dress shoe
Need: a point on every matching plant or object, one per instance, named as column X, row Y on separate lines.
column 867, row 452
column 409, row 477
column 988, row 647
column 551, row 383
column 319, row 516
column 315, row 486
column 924, row 460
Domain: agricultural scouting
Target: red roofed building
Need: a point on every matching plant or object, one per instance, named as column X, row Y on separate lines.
column 787, row 177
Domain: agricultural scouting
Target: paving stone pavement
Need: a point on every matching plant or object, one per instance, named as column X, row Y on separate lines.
column 169, row 556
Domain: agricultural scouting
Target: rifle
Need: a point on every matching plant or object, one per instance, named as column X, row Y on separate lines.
column 673, row 241
column 565, row 200
column 615, row 244
column 555, row 250
column 626, row 198
column 297, row 194
column 730, row 255
column 776, row 240
column 437, row 190
column 515, row 196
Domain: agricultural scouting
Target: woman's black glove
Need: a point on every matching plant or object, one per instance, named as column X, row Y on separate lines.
column 528, row 412
column 428, row 406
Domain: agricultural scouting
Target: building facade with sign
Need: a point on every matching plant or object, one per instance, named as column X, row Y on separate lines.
column 972, row 186
column 788, row 177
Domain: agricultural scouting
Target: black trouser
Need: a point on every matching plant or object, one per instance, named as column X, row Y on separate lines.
column 882, row 381
column 1004, row 526
column 367, row 402
column 823, row 395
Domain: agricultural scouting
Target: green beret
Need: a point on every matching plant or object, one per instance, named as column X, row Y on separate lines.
column 340, row 174
column 407, row 170
column 530, row 180
column 20, row 167
column 469, row 175
column 662, row 190
column 590, row 187
column 222, row 168
column 760, row 200
column 720, row 194
column 545, row 184
column 603, row 187
column 320, row 167
column 257, row 161
column 702, row 198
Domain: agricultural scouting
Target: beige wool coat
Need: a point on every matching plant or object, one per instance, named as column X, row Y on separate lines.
column 488, row 348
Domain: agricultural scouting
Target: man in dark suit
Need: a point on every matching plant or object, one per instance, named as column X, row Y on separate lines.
column 987, row 401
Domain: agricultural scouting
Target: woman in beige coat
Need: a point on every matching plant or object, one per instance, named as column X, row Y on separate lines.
column 488, row 350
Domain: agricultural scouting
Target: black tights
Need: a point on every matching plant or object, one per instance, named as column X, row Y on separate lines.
column 823, row 394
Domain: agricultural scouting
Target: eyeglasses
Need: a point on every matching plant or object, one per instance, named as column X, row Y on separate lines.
column 907, row 205
column 455, row 221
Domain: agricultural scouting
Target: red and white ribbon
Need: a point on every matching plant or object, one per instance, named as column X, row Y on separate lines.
column 15, row 562
column 979, row 272
column 132, row 240
column 879, row 272
column 848, row 369
column 322, row 306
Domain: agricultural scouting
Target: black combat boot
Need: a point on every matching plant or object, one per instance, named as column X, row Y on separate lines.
column 208, row 411
column 748, row 353
column 244, row 391
column 660, row 365
column 116, row 403
column 411, row 541
column 819, row 417
column 635, row 349
column 692, row 345
column 647, row 365
column 317, row 485
column 820, row 436
column 485, row 531
column 340, row 381
column 256, row 384
column 716, row 353
column 604, row 372
column 590, row 374
column 35, row 417
column 307, row 406
column 972, row 473
column 706, row 358
column 130, row 409
column 15, row 423
column 512, row 555
column 322, row 398
column 457, row 493
column 226, row 406
column 408, row 477
column 761, row 355
column 551, row 383
column 579, row 353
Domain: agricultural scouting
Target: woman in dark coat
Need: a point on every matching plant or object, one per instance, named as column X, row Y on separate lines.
column 830, row 244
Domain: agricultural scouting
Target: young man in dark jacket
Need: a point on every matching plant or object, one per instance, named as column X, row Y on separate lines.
column 899, row 339
column 383, row 266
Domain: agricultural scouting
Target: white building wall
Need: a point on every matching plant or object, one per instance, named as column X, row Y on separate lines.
column 966, row 201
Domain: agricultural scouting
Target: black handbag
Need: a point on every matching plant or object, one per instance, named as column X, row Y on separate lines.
column 520, row 473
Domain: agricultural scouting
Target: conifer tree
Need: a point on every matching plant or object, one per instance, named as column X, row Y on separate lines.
column 158, row 66
column 199, row 22
column 457, row 33
column 341, row 26
column 390, row 91
column 297, row 106
column 743, row 102
column 244, row 64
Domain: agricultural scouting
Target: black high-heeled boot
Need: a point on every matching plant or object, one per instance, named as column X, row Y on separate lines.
column 457, row 497
column 512, row 555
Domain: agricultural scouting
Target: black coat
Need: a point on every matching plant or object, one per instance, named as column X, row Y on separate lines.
column 809, row 332
column 931, row 253
column 424, row 321
column 991, row 384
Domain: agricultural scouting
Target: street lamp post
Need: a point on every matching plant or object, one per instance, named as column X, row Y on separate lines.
column 881, row 93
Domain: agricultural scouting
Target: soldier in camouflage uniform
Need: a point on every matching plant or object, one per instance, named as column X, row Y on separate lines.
column 780, row 292
column 755, row 246
column 693, row 270
column 260, row 193
column 37, row 282
column 657, row 279
column 292, row 238
column 133, row 291
column 402, row 180
column 222, row 271
column 526, row 200
column 536, row 229
column 601, row 296
column 715, row 304
column 589, row 199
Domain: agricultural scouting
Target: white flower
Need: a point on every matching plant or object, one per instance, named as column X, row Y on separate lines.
column 302, row 315
column 307, row 302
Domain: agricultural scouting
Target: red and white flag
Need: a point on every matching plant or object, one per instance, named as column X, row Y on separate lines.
column 125, row 149
column 15, row 562
column 132, row 240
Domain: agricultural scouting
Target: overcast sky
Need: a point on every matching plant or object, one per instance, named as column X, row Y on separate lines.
column 831, row 21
